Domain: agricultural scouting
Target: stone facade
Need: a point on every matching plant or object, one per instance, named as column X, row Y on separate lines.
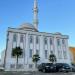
column 33, row 42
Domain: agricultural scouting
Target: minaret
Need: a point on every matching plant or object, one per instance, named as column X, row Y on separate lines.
column 35, row 10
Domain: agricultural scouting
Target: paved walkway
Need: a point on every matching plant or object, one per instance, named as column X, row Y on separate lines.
column 34, row 73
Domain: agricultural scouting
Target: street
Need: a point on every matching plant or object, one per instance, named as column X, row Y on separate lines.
column 34, row 73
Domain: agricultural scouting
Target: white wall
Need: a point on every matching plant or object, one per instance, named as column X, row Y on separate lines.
column 26, row 46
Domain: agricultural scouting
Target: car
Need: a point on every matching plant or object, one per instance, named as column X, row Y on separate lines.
column 62, row 67
column 1, row 69
column 73, row 67
column 47, row 67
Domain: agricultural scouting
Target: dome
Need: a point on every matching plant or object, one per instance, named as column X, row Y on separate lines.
column 26, row 26
column 58, row 33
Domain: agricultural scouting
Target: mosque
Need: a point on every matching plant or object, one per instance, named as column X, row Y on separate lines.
column 32, row 41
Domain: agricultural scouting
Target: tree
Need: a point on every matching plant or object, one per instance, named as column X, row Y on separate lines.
column 17, row 51
column 35, row 59
column 52, row 57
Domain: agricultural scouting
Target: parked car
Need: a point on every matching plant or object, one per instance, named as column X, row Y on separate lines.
column 1, row 69
column 73, row 67
column 47, row 67
column 62, row 67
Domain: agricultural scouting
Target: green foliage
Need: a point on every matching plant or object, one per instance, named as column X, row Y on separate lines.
column 17, row 51
column 35, row 58
column 52, row 58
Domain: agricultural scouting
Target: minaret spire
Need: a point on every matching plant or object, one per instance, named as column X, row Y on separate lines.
column 35, row 10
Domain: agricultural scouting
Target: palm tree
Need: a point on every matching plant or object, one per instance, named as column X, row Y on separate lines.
column 52, row 57
column 17, row 51
column 35, row 59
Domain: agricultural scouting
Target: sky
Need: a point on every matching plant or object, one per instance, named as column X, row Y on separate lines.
column 54, row 16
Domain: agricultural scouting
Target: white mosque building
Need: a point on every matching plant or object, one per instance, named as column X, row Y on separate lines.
column 28, row 37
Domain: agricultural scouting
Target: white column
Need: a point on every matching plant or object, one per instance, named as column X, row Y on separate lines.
column 34, row 46
column 48, row 47
column 55, row 46
column 68, row 52
column 42, row 55
column 9, row 50
column 27, row 49
column 24, row 47
column 18, row 39
column 61, row 49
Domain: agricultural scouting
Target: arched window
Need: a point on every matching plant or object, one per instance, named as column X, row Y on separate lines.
column 21, row 38
column 37, row 39
column 65, row 54
column 30, row 53
column 58, row 42
column 37, row 52
column 46, row 54
column 51, row 41
column 31, row 39
column 45, row 40
column 63, row 41
column 14, row 37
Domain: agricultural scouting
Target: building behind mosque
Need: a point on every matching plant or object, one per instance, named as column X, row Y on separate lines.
column 32, row 41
